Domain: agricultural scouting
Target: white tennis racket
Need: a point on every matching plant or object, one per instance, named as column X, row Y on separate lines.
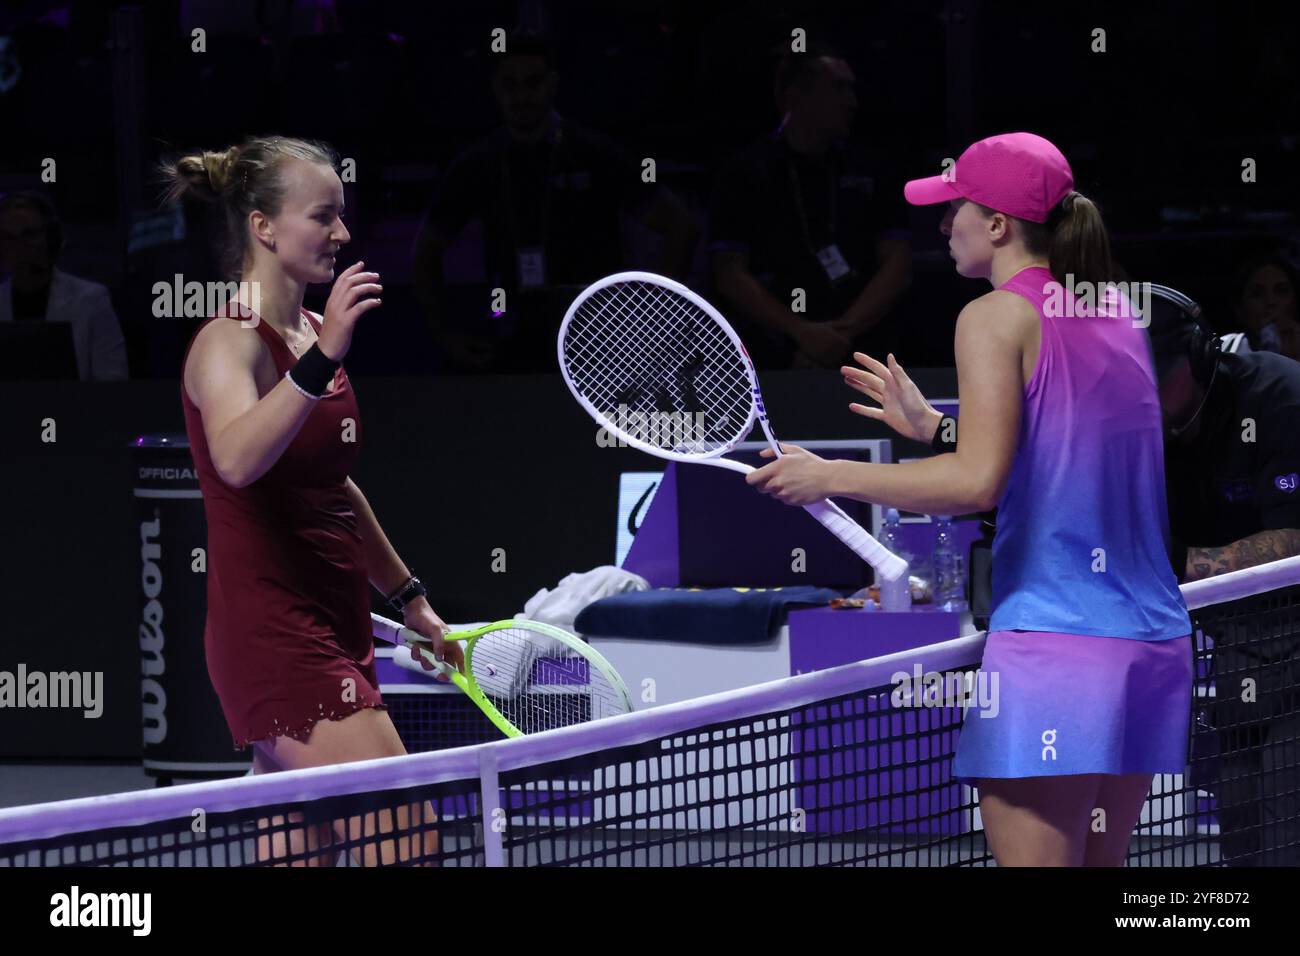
column 662, row 370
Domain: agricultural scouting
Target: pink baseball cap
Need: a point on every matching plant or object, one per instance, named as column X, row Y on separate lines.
column 1019, row 174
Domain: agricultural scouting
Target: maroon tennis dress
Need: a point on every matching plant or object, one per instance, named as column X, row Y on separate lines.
column 288, row 634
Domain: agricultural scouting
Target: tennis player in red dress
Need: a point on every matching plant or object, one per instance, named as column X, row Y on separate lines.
column 274, row 428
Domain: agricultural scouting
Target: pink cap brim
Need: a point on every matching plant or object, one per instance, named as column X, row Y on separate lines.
column 931, row 190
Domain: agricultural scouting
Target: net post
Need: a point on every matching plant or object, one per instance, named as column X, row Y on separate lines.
column 490, row 802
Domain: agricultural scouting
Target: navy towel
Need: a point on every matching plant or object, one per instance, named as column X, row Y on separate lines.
column 713, row 616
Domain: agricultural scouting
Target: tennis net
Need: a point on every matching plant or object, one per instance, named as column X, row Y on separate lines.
column 847, row 766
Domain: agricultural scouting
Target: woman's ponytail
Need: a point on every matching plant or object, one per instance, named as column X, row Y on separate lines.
column 1079, row 245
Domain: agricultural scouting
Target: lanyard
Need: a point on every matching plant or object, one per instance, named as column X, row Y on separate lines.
column 804, row 227
column 507, row 194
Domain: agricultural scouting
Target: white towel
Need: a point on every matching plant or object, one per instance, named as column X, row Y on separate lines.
column 562, row 605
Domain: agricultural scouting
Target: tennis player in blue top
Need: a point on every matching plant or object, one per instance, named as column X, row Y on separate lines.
column 1060, row 430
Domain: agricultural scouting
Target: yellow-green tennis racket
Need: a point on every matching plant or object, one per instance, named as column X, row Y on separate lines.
column 526, row 676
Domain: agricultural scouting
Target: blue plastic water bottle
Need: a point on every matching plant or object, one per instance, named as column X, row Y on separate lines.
column 949, row 572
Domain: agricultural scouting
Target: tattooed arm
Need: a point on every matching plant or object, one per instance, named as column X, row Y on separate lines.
column 1246, row 553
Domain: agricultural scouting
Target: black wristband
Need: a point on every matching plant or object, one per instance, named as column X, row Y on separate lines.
column 313, row 372
column 411, row 589
column 938, row 444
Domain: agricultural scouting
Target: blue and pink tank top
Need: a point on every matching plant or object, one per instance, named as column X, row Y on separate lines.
column 1082, row 525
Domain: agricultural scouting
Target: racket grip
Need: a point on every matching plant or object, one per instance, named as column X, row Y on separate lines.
column 394, row 633
column 386, row 629
column 887, row 564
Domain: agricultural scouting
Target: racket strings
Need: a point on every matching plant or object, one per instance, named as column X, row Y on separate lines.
column 538, row 683
column 637, row 347
column 717, row 361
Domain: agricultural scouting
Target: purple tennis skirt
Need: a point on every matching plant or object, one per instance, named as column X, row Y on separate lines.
column 1052, row 704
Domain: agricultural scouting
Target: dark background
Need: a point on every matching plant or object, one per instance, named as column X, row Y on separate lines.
column 1156, row 129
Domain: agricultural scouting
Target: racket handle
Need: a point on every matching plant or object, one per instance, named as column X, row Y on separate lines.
column 394, row 633
column 386, row 629
column 887, row 564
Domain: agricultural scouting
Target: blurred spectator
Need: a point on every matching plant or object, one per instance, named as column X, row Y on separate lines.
column 546, row 195
column 171, row 244
column 1264, row 296
column 800, row 210
column 36, row 290
column 1234, row 501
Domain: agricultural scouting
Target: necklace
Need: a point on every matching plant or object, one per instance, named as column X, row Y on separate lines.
column 301, row 335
